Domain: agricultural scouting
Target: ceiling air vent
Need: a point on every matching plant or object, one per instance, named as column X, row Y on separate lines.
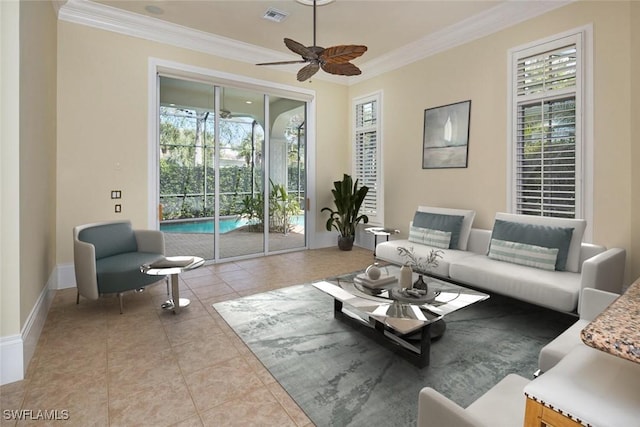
column 275, row 15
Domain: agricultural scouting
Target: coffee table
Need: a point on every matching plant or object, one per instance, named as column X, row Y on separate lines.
column 173, row 266
column 395, row 320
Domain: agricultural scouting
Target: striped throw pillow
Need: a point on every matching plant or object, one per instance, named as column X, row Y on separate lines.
column 429, row 237
column 523, row 254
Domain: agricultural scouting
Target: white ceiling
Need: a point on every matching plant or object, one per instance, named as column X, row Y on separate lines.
column 396, row 32
column 381, row 25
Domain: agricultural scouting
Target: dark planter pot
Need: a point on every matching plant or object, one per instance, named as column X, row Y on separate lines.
column 345, row 243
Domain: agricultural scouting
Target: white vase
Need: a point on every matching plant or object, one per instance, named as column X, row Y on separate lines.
column 406, row 277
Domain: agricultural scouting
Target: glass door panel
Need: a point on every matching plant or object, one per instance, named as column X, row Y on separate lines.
column 241, row 173
column 287, row 166
column 225, row 186
column 186, row 184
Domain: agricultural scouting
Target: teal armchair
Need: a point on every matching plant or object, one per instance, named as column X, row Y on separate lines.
column 108, row 255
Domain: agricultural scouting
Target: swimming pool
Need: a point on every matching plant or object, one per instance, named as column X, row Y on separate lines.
column 205, row 225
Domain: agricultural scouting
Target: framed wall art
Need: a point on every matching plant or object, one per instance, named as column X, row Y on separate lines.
column 446, row 136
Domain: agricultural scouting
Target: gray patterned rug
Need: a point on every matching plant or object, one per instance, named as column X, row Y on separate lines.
column 340, row 377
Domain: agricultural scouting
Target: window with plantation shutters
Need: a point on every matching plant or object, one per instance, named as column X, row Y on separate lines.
column 546, row 137
column 367, row 154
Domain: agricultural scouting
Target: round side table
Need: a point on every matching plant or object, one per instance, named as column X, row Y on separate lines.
column 173, row 266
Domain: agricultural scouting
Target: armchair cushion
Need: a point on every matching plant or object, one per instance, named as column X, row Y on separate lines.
column 117, row 273
column 110, row 239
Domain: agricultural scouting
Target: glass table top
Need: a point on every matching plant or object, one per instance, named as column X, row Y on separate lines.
column 400, row 311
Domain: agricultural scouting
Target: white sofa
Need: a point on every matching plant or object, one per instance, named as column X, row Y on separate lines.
column 591, row 387
column 587, row 265
column 592, row 303
column 502, row 406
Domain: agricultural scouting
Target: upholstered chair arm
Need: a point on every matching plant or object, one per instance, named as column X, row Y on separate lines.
column 151, row 241
column 84, row 264
column 435, row 410
column 594, row 302
column 605, row 271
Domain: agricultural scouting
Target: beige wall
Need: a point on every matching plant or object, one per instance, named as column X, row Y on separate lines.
column 9, row 169
column 634, row 267
column 28, row 155
column 37, row 150
column 102, row 124
column 478, row 71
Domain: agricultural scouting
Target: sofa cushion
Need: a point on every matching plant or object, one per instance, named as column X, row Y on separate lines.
column 521, row 253
column 110, row 239
column 429, row 237
column 578, row 225
column 467, row 222
column 553, row 352
column 538, row 235
column 558, row 290
column 592, row 386
column 440, row 222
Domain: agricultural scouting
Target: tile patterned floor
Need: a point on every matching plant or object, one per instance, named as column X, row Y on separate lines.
column 150, row 367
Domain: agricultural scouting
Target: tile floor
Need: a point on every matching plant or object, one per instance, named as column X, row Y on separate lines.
column 151, row 367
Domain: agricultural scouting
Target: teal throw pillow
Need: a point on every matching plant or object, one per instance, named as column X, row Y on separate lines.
column 521, row 253
column 441, row 222
column 429, row 237
column 538, row 235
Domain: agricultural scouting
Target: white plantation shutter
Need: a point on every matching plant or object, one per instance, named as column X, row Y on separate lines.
column 367, row 155
column 547, row 96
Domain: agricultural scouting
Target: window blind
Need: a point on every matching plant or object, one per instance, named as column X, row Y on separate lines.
column 546, row 141
column 366, row 155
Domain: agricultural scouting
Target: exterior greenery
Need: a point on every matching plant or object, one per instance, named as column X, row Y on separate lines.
column 187, row 171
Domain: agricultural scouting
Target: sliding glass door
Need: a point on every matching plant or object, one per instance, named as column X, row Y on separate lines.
column 232, row 172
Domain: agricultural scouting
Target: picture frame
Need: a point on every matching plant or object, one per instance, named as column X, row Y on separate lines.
column 446, row 136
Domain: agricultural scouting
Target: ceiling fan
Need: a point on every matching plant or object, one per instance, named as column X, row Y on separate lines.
column 333, row 60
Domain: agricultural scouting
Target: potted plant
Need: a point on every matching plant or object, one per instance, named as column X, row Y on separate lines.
column 347, row 198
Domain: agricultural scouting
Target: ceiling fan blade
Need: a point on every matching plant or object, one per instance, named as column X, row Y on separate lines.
column 344, row 69
column 342, row 53
column 300, row 49
column 307, row 71
column 301, row 61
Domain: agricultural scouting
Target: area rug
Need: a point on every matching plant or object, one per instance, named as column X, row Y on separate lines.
column 340, row 377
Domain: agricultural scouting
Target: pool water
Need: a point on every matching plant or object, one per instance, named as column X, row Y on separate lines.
column 206, row 225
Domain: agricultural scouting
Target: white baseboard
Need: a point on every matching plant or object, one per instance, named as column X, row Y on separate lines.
column 11, row 359
column 16, row 351
column 330, row 239
column 65, row 276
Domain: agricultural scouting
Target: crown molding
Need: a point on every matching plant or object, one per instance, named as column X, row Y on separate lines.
column 491, row 21
column 132, row 24
column 112, row 19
